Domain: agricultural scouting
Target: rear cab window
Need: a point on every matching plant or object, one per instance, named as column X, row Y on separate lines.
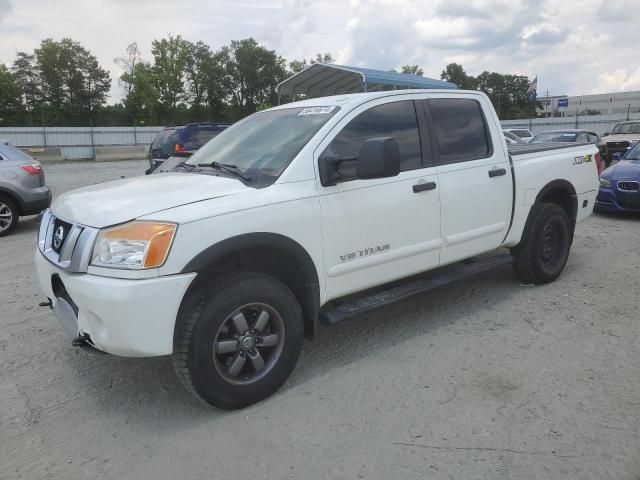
column 460, row 129
column 165, row 141
column 194, row 137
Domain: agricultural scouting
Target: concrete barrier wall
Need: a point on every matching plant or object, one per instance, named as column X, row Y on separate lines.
column 129, row 152
column 79, row 143
column 596, row 123
column 44, row 154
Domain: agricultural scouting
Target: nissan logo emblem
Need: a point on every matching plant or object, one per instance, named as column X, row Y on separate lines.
column 58, row 237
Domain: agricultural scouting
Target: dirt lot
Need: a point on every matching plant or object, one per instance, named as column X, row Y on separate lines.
column 487, row 379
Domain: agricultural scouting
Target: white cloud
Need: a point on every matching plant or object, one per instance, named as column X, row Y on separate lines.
column 620, row 80
column 575, row 46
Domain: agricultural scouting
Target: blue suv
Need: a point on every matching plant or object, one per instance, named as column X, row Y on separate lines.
column 182, row 138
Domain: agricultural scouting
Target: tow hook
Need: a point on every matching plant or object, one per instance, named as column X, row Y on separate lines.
column 83, row 342
column 46, row 304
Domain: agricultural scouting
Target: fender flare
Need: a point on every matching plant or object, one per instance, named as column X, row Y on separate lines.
column 309, row 291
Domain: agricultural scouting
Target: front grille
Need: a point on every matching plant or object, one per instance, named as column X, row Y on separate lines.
column 66, row 245
column 613, row 147
column 629, row 186
column 61, row 232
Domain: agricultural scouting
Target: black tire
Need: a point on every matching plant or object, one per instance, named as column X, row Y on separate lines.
column 8, row 207
column 208, row 317
column 544, row 248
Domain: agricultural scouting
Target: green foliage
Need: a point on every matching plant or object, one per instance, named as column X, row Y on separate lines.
column 10, row 106
column 412, row 70
column 61, row 83
column 508, row 93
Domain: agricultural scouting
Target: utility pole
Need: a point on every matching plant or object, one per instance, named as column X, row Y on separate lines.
column 628, row 111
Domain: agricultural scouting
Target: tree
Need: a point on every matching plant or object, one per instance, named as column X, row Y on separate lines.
column 454, row 73
column 10, row 98
column 254, row 73
column 412, row 70
column 28, row 81
column 198, row 66
column 72, row 83
column 296, row 66
column 142, row 101
column 128, row 64
column 322, row 58
column 170, row 60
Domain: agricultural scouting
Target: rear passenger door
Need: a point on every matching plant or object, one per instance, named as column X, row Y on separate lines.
column 474, row 176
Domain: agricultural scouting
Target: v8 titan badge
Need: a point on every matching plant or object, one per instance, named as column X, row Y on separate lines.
column 582, row 159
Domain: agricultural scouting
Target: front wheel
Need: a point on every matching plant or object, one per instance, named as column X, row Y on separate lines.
column 237, row 339
column 543, row 251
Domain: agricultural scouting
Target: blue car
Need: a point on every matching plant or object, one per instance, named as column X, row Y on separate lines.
column 620, row 184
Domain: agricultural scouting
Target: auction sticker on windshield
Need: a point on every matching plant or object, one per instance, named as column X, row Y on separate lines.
column 317, row 110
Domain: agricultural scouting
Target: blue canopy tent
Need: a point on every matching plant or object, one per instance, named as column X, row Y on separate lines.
column 320, row 79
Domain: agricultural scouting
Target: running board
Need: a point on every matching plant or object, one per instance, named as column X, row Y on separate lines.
column 357, row 304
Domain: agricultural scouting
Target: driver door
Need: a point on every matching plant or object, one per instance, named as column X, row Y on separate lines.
column 378, row 230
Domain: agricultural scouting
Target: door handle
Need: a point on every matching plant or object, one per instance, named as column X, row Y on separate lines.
column 497, row 172
column 421, row 187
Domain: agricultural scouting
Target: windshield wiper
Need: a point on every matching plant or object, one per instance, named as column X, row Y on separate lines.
column 185, row 165
column 227, row 168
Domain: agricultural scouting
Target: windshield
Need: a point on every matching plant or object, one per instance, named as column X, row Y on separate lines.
column 554, row 137
column 626, row 128
column 633, row 154
column 264, row 143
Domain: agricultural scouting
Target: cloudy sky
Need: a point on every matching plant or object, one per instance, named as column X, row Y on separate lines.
column 574, row 46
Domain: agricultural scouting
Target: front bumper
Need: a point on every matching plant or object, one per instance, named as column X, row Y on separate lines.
column 130, row 318
column 612, row 200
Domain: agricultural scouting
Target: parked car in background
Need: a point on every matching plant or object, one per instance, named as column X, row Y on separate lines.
column 512, row 138
column 620, row 184
column 573, row 135
column 183, row 138
column 523, row 133
column 621, row 137
column 22, row 187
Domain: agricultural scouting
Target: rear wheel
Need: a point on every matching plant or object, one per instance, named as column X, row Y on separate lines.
column 238, row 339
column 8, row 216
column 543, row 251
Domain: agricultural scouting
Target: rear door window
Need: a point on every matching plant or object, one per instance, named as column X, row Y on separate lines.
column 165, row 142
column 460, row 129
column 196, row 137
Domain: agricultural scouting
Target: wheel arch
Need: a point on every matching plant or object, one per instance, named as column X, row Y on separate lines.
column 270, row 253
column 563, row 194
column 14, row 198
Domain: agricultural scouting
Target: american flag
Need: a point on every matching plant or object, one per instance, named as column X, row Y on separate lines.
column 532, row 91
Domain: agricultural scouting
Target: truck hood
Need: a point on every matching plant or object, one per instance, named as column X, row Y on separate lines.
column 116, row 202
column 622, row 137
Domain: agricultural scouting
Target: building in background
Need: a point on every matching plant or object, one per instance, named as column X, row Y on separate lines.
column 621, row 103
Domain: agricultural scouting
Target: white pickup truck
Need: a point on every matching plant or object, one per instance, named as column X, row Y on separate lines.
column 315, row 210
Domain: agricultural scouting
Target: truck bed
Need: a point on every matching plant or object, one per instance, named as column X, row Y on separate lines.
column 525, row 148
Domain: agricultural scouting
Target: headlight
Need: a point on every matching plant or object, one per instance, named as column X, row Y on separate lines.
column 134, row 245
column 605, row 183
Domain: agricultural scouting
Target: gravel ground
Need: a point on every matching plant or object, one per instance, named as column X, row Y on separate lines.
column 487, row 379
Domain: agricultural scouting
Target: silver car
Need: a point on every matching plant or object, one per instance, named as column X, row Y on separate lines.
column 22, row 187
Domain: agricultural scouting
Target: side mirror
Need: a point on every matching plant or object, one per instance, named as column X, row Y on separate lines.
column 605, row 134
column 378, row 158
